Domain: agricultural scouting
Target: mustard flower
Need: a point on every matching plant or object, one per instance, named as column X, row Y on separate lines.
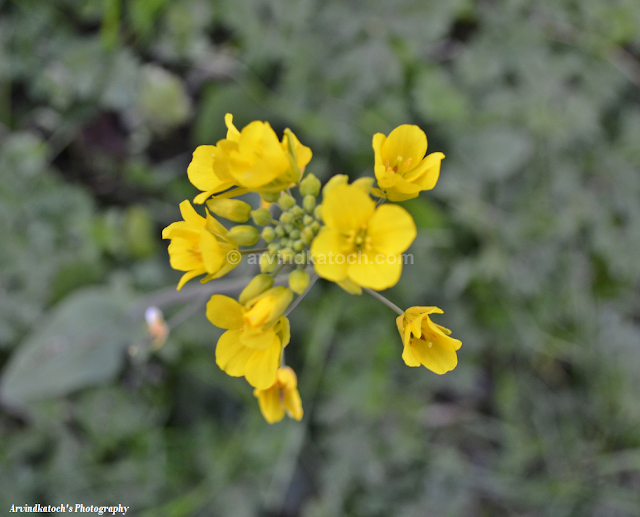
column 198, row 246
column 425, row 342
column 261, row 163
column 255, row 337
column 401, row 168
column 361, row 245
column 280, row 397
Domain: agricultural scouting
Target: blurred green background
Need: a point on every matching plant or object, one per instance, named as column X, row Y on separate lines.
column 530, row 243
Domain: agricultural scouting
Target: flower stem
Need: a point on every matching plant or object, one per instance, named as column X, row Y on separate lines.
column 251, row 252
column 299, row 298
column 389, row 304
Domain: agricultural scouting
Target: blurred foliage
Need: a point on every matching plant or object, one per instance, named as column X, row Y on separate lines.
column 529, row 242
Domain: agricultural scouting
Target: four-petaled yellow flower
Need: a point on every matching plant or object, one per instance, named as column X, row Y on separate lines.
column 401, row 168
column 252, row 159
column 256, row 334
column 198, row 246
column 361, row 245
column 281, row 397
column 425, row 342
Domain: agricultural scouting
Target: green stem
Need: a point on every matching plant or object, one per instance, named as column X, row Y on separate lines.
column 251, row 252
column 389, row 304
column 299, row 298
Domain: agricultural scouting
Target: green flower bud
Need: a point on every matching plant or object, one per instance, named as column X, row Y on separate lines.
column 243, row 235
column 307, row 220
column 258, row 285
column 274, row 247
column 268, row 262
column 261, row 216
column 284, row 241
column 298, row 281
column 286, row 201
column 268, row 234
column 309, row 203
column 294, row 234
column 297, row 211
column 287, row 255
column 317, row 213
column 298, row 245
column 279, row 231
column 301, row 258
column 286, row 217
column 338, row 179
column 288, row 228
column 315, row 226
column 269, row 197
column 307, row 235
column 232, row 209
column 310, row 185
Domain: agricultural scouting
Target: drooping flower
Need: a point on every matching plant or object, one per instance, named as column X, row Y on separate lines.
column 401, row 167
column 256, row 334
column 361, row 245
column 280, row 397
column 198, row 246
column 425, row 342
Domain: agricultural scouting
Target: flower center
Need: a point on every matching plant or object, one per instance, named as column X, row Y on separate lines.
column 359, row 239
column 397, row 167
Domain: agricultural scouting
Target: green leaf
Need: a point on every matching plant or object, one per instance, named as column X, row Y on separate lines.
column 80, row 344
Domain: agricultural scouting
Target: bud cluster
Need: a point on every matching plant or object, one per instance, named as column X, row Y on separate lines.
column 288, row 238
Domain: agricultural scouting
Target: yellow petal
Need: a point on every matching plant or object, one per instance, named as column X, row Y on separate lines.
column 408, row 357
column 203, row 196
column 426, row 172
column 377, row 143
column 190, row 215
column 200, row 170
column 210, row 251
column 270, row 404
column 325, row 247
column 182, row 256
column 225, row 312
column 262, row 366
column 283, row 330
column 188, row 276
column 293, row 404
column 440, row 358
column 258, row 339
column 392, row 229
column 346, row 208
column 231, row 356
column 404, row 142
column 232, row 133
column 287, row 378
column 376, row 271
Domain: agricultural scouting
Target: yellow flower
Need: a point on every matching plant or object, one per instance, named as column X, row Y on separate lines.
column 198, row 246
column 261, row 163
column 401, row 168
column 361, row 245
column 209, row 168
column 280, row 397
column 430, row 344
column 256, row 334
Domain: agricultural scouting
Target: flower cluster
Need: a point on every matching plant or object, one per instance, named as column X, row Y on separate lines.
column 301, row 224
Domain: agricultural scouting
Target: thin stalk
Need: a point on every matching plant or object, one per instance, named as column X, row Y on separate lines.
column 251, row 252
column 388, row 303
column 299, row 298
